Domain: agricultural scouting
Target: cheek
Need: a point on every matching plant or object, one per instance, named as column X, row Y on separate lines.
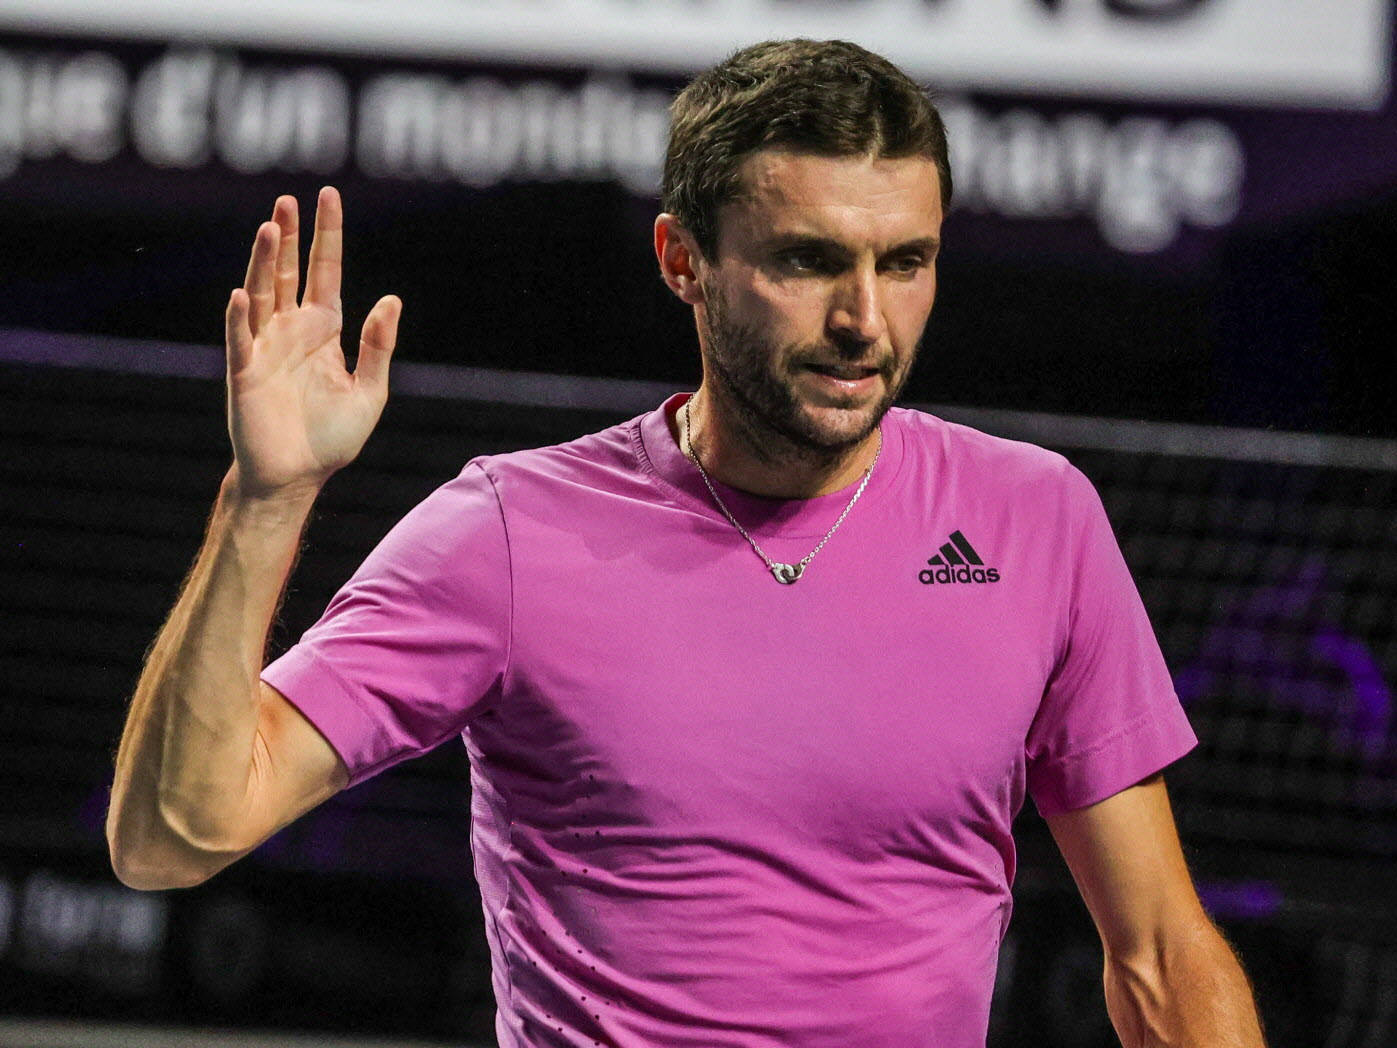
column 908, row 316
column 789, row 315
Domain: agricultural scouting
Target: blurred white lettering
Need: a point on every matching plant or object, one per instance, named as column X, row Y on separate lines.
column 288, row 119
column 170, row 115
column 53, row 105
column 482, row 131
column 1140, row 178
column 110, row 935
column 398, row 126
column 190, row 106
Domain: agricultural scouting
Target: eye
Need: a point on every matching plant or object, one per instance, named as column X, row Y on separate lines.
column 805, row 260
column 907, row 265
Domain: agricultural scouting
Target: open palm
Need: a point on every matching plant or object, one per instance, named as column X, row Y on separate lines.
column 295, row 412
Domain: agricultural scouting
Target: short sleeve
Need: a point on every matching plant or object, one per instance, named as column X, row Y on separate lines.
column 1109, row 716
column 416, row 643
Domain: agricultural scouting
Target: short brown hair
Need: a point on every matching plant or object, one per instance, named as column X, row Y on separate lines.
column 830, row 98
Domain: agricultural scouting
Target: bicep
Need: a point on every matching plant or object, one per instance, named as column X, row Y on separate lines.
column 1125, row 855
column 294, row 767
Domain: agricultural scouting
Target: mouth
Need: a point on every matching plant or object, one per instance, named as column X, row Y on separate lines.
column 845, row 378
column 847, row 372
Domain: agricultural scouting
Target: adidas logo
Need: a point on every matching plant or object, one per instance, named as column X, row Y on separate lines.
column 957, row 562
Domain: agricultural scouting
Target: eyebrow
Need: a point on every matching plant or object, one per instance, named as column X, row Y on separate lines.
column 784, row 241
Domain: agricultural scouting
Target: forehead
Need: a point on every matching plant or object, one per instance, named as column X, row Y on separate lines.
column 847, row 197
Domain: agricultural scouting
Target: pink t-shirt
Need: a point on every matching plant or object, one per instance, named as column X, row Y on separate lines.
column 713, row 810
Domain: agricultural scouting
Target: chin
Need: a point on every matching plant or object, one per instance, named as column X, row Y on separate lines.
column 831, row 427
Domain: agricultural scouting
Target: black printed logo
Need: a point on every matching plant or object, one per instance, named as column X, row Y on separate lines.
column 957, row 562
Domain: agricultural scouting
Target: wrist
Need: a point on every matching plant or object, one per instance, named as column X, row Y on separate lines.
column 289, row 504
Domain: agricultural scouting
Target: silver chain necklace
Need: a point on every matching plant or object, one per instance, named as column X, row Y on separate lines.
column 784, row 573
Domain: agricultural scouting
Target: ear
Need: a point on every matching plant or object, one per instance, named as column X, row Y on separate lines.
column 680, row 259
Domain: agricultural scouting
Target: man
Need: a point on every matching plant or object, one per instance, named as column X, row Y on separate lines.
column 752, row 685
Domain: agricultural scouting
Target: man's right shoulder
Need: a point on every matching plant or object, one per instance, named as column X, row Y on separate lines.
column 469, row 511
column 601, row 457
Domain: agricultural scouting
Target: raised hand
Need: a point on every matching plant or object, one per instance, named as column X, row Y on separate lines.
column 295, row 413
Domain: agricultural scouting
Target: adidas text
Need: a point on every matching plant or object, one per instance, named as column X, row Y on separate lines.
column 945, row 575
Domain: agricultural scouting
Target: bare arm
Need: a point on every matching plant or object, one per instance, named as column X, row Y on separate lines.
column 1171, row 979
column 212, row 761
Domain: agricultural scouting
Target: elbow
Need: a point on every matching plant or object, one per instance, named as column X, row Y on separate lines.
column 139, row 872
column 146, row 867
column 156, row 857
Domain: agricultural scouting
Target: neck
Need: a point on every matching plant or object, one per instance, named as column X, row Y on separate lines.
column 766, row 464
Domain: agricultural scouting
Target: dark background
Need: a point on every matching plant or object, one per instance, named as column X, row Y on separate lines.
column 1285, row 325
column 1281, row 318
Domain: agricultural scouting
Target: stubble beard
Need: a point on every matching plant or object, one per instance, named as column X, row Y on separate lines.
column 763, row 406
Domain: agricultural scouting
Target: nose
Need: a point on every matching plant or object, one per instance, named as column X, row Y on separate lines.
column 856, row 307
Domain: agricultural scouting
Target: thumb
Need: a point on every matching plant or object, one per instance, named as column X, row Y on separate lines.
column 376, row 343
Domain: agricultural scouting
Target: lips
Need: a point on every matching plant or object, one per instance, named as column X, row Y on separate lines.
column 835, row 384
column 846, row 372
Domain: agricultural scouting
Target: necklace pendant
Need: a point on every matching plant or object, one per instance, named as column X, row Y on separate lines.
column 787, row 573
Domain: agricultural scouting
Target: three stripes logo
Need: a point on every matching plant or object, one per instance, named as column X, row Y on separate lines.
column 957, row 562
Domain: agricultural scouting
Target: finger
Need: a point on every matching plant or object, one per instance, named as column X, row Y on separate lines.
column 237, row 335
column 323, row 271
column 376, row 343
column 288, row 259
column 259, row 282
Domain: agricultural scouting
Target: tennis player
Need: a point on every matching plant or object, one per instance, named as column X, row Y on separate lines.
column 753, row 684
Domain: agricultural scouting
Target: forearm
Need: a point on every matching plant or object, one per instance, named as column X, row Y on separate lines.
column 180, row 799
column 1192, row 993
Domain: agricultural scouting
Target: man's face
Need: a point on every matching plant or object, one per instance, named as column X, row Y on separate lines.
column 823, row 282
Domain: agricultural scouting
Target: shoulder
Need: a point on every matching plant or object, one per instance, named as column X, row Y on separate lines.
column 477, row 492
column 1012, row 480
column 955, row 450
column 600, row 464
